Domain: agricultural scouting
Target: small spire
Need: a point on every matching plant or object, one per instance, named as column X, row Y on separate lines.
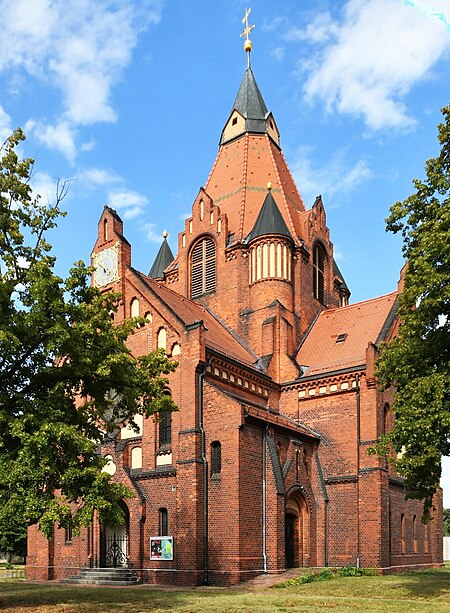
column 269, row 186
column 247, row 43
column 165, row 234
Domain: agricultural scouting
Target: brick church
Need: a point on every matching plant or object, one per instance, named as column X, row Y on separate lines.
column 265, row 465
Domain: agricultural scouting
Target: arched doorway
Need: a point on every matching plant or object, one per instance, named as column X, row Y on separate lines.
column 114, row 542
column 297, row 532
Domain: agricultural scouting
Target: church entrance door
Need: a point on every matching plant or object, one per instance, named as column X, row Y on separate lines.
column 297, row 535
column 114, row 544
column 290, row 540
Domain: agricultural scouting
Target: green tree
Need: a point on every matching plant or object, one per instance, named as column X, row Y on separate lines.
column 66, row 375
column 417, row 361
column 446, row 522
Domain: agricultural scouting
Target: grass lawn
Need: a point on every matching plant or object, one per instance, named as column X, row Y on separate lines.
column 424, row 592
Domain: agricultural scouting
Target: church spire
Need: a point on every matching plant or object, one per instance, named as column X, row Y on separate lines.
column 163, row 258
column 249, row 113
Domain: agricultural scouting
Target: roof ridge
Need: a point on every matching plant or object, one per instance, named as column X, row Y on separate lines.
column 355, row 304
column 234, row 334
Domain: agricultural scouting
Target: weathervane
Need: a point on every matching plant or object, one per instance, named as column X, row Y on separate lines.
column 248, row 43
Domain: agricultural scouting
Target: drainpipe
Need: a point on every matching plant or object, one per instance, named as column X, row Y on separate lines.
column 264, row 504
column 201, row 373
column 358, row 444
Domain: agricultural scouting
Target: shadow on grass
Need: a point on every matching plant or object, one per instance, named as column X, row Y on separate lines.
column 93, row 598
column 433, row 583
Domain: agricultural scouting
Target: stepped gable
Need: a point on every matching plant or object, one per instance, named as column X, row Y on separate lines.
column 362, row 323
column 217, row 336
column 248, row 158
column 164, row 257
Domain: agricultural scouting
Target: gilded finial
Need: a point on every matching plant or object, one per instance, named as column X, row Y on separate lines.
column 165, row 234
column 248, row 43
column 269, row 185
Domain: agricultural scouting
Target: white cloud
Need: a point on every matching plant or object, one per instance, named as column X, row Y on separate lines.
column 60, row 136
column 319, row 30
column 130, row 202
column 79, row 48
column 45, row 186
column 336, row 176
column 5, row 125
column 151, row 235
column 377, row 53
column 99, row 177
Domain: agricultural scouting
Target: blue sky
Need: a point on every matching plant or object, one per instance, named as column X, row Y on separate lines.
column 128, row 99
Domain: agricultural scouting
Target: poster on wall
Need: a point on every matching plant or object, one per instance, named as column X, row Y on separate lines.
column 161, row 548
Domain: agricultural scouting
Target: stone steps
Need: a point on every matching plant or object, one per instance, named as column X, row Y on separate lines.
column 105, row 576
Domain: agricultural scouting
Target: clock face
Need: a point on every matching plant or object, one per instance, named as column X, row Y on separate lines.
column 106, row 269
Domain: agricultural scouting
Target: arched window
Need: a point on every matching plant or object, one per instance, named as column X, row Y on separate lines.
column 135, row 307
column 162, row 338
column 203, row 267
column 163, row 522
column 216, row 458
column 165, row 428
column 319, row 274
column 136, row 457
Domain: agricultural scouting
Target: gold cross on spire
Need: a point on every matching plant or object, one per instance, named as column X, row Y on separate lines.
column 247, row 28
column 248, row 43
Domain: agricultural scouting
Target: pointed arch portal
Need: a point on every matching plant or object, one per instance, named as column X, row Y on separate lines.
column 297, row 531
column 114, row 542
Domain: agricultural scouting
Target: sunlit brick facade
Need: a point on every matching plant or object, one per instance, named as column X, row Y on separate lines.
column 265, row 465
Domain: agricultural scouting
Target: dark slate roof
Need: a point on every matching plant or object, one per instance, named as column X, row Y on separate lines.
column 249, row 101
column 250, row 104
column 337, row 273
column 163, row 258
column 269, row 220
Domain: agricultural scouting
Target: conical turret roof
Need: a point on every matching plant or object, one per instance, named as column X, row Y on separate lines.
column 269, row 220
column 163, row 258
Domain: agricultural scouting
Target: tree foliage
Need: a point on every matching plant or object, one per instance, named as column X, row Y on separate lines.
column 62, row 360
column 417, row 361
column 446, row 517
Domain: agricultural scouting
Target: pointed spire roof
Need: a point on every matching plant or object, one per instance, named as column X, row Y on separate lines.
column 250, row 104
column 163, row 258
column 249, row 101
column 269, row 220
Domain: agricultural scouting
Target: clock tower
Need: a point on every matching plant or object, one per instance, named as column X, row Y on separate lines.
column 111, row 255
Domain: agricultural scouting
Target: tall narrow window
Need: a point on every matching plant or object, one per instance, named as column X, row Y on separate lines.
column 402, row 533
column 426, row 538
column 165, row 428
column 203, row 267
column 162, row 338
column 134, row 307
column 163, row 522
column 415, row 533
column 319, row 274
column 68, row 535
column 216, row 458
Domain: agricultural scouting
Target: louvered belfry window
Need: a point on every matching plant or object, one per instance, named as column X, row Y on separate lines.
column 319, row 274
column 203, row 267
